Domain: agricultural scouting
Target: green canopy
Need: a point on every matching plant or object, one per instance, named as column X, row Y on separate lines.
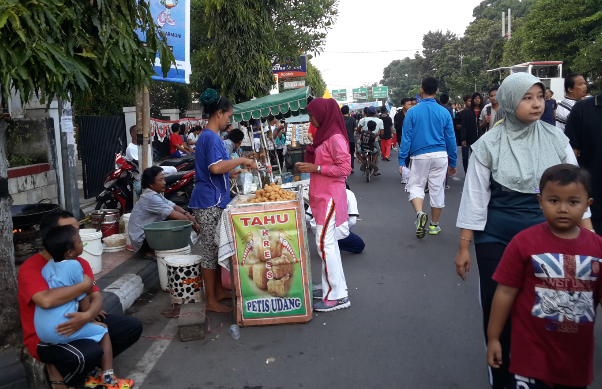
column 281, row 105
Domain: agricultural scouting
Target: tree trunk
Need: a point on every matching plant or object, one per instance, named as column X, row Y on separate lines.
column 10, row 321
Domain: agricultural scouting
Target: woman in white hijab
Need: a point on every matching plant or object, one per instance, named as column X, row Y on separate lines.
column 500, row 191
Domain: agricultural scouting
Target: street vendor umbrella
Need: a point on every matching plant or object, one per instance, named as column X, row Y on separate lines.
column 281, row 105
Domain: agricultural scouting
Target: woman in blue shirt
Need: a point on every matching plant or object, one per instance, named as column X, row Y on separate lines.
column 211, row 192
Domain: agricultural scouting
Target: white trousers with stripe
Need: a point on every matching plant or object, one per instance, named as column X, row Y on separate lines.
column 334, row 286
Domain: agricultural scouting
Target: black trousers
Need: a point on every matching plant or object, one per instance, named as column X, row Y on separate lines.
column 488, row 258
column 465, row 155
column 77, row 359
column 352, row 153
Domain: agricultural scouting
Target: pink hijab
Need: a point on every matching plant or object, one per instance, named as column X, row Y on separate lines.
column 329, row 116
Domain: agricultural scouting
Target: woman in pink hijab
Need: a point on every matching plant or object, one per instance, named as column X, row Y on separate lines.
column 329, row 163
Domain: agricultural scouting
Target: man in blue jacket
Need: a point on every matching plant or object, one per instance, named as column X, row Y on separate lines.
column 428, row 136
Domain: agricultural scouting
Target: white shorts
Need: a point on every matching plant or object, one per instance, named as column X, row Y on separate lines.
column 432, row 171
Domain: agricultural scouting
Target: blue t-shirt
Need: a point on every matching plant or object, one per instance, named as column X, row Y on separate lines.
column 59, row 274
column 210, row 189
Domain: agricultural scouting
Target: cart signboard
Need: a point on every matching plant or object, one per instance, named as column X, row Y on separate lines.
column 380, row 92
column 339, row 94
column 271, row 266
column 360, row 93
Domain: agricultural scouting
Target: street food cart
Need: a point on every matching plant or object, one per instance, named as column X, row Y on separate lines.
column 270, row 266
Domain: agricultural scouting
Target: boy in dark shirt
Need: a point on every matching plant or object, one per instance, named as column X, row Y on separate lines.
column 368, row 142
column 549, row 277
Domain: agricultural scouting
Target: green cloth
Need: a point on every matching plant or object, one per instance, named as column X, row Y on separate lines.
column 518, row 153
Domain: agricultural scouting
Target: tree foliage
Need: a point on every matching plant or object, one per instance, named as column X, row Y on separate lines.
column 246, row 37
column 569, row 31
column 400, row 78
column 169, row 95
column 492, row 9
column 315, row 80
column 62, row 48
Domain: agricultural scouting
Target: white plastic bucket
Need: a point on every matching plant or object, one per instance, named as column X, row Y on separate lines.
column 126, row 221
column 161, row 255
column 184, row 275
column 92, row 248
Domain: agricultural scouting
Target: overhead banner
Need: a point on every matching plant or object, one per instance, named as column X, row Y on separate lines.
column 364, row 105
column 360, row 93
column 292, row 69
column 294, row 84
column 339, row 94
column 380, row 92
column 173, row 16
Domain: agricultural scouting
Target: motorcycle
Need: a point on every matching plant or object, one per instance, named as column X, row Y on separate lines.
column 181, row 164
column 119, row 187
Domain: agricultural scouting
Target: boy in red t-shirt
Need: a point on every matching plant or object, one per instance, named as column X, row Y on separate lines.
column 549, row 277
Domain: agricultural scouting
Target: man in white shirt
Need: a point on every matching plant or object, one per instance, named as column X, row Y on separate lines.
column 131, row 153
column 348, row 241
column 363, row 125
column 576, row 89
column 489, row 111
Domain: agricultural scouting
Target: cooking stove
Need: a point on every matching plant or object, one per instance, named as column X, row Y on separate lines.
column 27, row 242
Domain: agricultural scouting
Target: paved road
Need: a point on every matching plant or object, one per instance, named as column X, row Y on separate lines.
column 412, row 322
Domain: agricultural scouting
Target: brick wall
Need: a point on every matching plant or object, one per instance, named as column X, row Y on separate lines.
column 33, row 183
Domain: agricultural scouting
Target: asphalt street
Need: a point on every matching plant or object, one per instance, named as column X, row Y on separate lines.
column 413, row 323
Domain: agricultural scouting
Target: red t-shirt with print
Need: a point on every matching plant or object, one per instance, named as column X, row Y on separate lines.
column 312, row 130
column 31, row 282
column 174, row 140
column 554, row 312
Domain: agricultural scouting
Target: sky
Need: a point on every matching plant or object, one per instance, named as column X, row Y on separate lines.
column 390, row 25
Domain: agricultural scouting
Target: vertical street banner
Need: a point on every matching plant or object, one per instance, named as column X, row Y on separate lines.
column 270, row 268
column 173, row 16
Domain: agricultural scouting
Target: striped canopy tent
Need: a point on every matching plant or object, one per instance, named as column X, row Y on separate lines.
column 281, row 105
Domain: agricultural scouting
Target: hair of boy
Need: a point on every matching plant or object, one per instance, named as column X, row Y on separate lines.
column 345, row 110
column 565, row 174
column 175, row 128
column 182, row 128
column 466, row 98
column 384, row 109
column 494, row 88
column 405, row 100
column 197, row 128
column 371, row 125
column 430, row 85
column 569, row 81
column 444, row 98
column 51, row 220
column 550, row 90
column 59, row 240
column 413, row 99
column 236, row 135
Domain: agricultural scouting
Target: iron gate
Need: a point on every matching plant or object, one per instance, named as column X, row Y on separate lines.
column 100, row 139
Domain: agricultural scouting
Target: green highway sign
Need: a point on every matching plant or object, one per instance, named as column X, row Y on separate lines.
column 339, row 94
column 380, row 92
column 360, row 93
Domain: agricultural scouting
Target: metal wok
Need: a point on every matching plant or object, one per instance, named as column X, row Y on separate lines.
column 30, row 214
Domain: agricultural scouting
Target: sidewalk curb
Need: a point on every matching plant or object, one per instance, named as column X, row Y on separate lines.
column 123, row 285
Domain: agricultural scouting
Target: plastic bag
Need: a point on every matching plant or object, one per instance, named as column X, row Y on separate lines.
column 245, row 180
column 405, row 174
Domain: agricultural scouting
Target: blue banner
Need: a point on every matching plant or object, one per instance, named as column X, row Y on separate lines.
column 173, row 17
column 294, row 69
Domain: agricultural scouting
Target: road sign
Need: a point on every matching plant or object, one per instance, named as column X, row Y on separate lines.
column 380, row 92
column 360, row 93
column 339, row 94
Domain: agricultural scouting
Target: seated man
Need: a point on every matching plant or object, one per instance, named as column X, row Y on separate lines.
column 177, row 147
column 68, row 364
column 348, row 241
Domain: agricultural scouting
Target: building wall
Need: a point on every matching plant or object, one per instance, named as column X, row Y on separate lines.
column 27, row 185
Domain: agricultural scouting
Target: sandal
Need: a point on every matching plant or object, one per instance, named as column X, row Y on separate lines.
column 52, row 383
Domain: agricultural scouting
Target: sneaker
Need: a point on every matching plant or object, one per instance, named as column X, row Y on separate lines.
column 94, row 379
column 404, row 182
column 332, row 305
column 318, row 293
column 446, row 186
column 434, row 230
column 426, row 190
column 421, row 225
column 110, row 381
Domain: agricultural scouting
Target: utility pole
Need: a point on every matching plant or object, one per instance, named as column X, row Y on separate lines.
column 68, row 157
column 145, row 128
column 503, row 24
column 509, row 23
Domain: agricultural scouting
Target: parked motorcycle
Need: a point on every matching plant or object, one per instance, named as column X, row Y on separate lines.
column 183, row 164
column 119, row 187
